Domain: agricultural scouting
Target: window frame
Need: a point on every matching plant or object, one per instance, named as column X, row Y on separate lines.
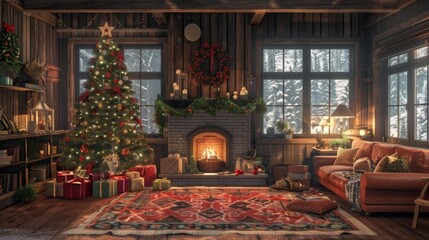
column 306, row 75
column 74, row 44
column 410, row 66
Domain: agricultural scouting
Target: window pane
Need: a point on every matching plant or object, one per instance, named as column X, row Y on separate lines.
column 151, row 60
column 393, row 89
column 273, row 91
column 403, row 88
column 392, row 61
column 422, row 123
column 403, row 122
column 320, row 111
column 315, row 125
column 421, row 85
column 132, row 59
column 320, row 60
column 150, row 89
column 339, row 60
column 293, row 60
column 422, row 52
column 320, row 92
column 82, row 85
column 340, row 91
column 135, row 83
column 293, row 92
column 294, row 116
column 272, row 115
column 393, row 122
column 273, row 60
column 84, row 56
column 403, row 58
column 147, row 116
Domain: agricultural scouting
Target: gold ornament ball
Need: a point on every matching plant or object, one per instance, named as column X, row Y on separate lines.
column 125, row 131
column 119, row 106
column 118, row 140
column 100, row 105
column 120, row 82
column 101, row 58
column 97, row 73
column 127, row 141
column 84, row 123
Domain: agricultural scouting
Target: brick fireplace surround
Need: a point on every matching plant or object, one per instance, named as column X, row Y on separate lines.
column 238, row 127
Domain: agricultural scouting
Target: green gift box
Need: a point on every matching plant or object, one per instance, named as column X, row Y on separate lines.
column 161, row 184
column 54, row 188
column 105, row 188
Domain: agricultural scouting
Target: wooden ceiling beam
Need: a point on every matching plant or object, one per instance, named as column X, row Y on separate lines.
column 257, row 17
column 225, row 6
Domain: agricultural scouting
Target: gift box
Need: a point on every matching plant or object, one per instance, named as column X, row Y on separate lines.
column 81, row 173
column 132, row 174
column 173, row 165
column 77, row 188
column 139, row 169
column 297, row 169
column 64, row 176
column 137, row 184
column 105, row 188
column 161, row 184
column 54, row 188
column 149, row 175
column 124, row 183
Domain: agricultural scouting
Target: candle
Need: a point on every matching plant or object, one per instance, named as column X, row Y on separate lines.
column 171, row 95
column 184, row 94
column 235, row 97
column 227, row 95
column 178, row 71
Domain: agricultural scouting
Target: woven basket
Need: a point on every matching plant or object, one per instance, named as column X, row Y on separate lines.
column 210, row 165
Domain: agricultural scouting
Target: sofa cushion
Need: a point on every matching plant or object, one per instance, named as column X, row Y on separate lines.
column 362, row 165
column 365, row 150
column 379, row 151
column 338, row 179
column 325, row 171
column 416, row 159
column 345, row 156
column 384, row 162
column 314, row 205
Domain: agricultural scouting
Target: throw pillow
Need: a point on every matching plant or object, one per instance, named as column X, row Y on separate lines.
column 385, row 161
column 345, row 156
column 399, row 165
column 315, row 205
column 362, row 165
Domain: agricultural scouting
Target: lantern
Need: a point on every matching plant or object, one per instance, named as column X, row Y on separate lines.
column 43, row 116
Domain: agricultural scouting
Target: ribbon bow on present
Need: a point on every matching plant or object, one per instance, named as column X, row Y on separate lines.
column 9, row 28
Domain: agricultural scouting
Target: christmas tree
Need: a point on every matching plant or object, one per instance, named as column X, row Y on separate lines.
column 107, row 126
column 9, row 50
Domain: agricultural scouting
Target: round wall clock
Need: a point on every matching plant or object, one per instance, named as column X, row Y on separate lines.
column 192, row 32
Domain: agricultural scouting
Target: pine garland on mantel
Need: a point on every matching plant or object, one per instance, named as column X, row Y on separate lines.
column 163, row 110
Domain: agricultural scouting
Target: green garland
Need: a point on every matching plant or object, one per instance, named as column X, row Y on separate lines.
column 163, row 111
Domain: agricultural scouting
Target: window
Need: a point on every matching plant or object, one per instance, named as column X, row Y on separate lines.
column 297, row 76
column 144, row 70
column 407, row 96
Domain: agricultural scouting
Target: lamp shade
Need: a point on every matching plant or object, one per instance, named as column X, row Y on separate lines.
column 342, row 111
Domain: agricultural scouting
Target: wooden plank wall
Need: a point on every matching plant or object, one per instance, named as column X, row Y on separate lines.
column 38, row 40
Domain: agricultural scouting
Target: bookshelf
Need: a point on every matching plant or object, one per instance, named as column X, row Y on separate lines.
column 33, row 156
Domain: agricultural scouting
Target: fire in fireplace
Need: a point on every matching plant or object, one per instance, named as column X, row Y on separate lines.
column 210, row 147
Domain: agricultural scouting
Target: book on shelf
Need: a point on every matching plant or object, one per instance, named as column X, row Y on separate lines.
column 39, row 169
column 4, row 132
column 4, row 182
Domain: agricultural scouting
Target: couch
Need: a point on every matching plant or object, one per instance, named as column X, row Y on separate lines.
column 379, row 191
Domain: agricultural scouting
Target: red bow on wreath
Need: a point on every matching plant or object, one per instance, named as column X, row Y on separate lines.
column 9, row 28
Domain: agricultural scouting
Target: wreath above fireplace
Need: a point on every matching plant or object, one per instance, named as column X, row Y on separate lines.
column 212, row 106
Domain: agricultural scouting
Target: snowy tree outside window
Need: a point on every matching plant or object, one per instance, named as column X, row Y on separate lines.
column 285, row 79
column 144, row 69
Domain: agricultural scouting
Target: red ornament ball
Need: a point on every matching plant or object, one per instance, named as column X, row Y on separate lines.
column 255, row 171
column 67, row 139
column 122, row 124
column 125, row 151
column 81, row 158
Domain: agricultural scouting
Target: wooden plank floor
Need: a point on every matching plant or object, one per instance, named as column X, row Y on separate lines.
column 47, row 218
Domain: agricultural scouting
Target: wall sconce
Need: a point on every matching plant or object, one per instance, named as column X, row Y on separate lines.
column 43, row 116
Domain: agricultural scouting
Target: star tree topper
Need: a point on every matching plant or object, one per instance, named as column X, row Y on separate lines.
column 106, row 30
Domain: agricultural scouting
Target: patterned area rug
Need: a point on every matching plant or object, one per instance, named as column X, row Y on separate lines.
column 215, row 211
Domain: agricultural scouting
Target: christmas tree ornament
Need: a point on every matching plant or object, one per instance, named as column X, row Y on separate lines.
column 120, row 82
column 81, row 158
column 100, row 105
column 125, row 78
column 125, row 151
column 97, row 73
column 119, row 106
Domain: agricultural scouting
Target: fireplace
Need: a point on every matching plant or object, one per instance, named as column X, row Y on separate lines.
column 210, row 147
column 234, row 130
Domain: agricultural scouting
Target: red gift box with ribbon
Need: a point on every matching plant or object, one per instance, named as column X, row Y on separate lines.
column 124, row 183
column 148, row 172
column 77, row 188
column 64, row 176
